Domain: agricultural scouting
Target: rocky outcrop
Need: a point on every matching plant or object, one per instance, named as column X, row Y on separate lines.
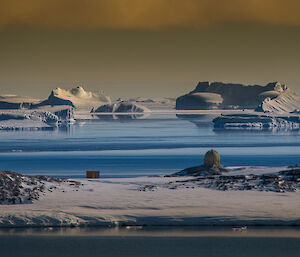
column 121, row 107
column 280, row 182
column 211, row 166
column 228, row 95
column 202, row 171
column 17, row 189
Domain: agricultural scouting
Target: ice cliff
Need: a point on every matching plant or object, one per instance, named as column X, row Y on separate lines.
column 274, row 97
column 40, row 118
column 286, row 102
column 256, row 121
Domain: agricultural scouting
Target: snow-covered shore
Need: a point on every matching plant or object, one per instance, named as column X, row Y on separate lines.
column 111, row 202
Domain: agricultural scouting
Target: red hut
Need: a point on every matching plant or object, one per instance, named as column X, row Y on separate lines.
column 92, row 174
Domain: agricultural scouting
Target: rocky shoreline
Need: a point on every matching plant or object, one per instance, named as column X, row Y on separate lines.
column 267, row 197
column 283, row 181
column 16, row 188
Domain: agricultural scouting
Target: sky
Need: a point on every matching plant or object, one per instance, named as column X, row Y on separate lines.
column 132, row 48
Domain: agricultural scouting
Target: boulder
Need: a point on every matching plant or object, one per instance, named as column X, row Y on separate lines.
column 212, row 158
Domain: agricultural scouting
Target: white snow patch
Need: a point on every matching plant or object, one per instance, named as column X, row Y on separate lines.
column 119, row 201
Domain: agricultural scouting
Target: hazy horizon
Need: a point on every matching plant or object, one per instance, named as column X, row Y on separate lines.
column 155, row 48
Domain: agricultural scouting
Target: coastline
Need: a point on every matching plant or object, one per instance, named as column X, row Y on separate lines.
column 122, row 202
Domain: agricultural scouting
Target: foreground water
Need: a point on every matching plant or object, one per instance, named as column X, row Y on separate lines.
column 184, row 241
column 157, row 144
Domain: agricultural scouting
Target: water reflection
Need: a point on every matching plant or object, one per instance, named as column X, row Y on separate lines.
column 175, row 231
column 261, row 131
column 145, row 245
column 120, row 117
column 156, row 144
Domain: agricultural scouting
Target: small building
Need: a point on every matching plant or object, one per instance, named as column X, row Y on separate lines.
column 92, row 174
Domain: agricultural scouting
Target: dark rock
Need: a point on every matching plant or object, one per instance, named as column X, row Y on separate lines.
column 12, row 190
column 202, row 171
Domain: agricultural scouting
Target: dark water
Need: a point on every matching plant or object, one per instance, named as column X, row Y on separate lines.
column 148, row 246
column 166, row 242
column 158, row 144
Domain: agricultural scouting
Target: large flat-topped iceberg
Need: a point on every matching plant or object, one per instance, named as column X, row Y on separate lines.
column 274, row 97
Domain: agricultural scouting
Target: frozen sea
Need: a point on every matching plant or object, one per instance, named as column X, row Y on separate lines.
column 153, row 145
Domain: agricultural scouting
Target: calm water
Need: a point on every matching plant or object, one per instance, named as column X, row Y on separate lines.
column 154, row 145
column 160, row 242
column 158, row 144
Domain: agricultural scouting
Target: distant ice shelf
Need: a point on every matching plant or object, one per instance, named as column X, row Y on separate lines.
column 253, row 121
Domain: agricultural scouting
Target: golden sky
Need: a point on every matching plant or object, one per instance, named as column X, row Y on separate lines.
column 146, row 47
column 145, row 14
